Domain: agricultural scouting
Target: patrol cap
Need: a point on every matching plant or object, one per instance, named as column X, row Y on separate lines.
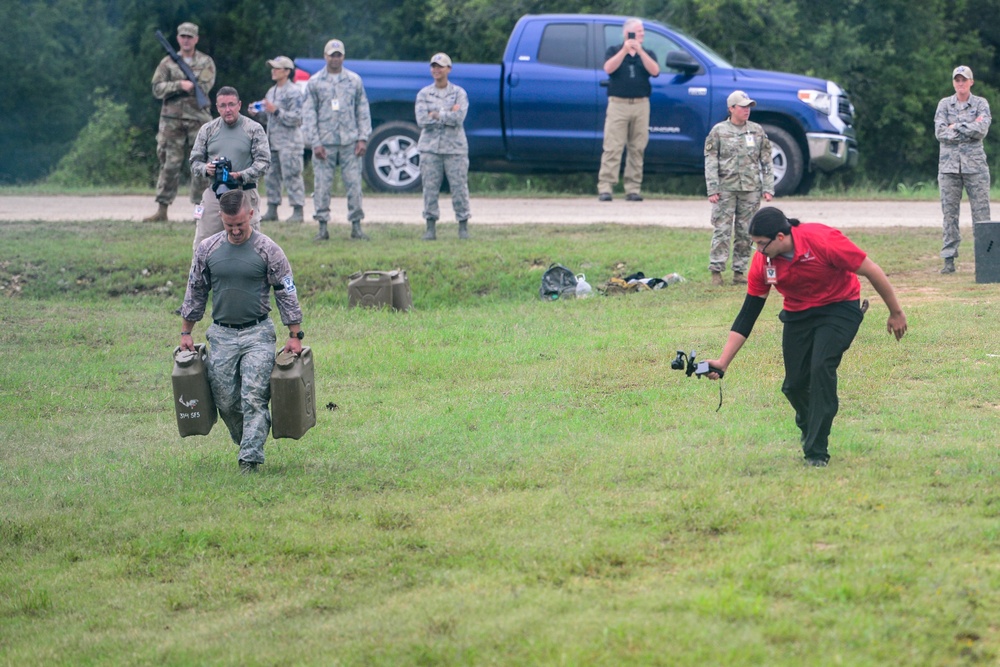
column 334, row 46
column 189, row 29
column 738, row 98
column 281, row 62
column 441, row 59
column 962, row 70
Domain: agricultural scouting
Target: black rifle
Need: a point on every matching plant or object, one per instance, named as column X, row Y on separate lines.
column 203, row 101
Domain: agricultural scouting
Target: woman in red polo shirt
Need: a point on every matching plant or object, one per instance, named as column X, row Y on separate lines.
column 815, row 268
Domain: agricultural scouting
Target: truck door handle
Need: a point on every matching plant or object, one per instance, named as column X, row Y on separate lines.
column 605, row 83
column 513, row 79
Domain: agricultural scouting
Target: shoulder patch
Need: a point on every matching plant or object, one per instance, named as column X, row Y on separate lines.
column 288, row 284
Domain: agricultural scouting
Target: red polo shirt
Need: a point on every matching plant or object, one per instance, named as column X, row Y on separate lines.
column 821, row 272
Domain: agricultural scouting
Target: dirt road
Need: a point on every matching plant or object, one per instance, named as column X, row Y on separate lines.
column 495, row 210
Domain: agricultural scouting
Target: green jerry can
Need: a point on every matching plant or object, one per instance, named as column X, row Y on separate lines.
column 375, row 289
column 193, row 403
column 293, row 394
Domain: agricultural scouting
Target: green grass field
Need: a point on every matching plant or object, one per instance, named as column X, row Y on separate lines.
column 504, row 481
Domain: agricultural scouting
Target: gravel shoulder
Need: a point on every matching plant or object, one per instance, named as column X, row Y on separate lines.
column 691, row 213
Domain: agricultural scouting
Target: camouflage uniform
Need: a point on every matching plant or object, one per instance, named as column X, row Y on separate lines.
column 962, row 163
column 241, row 359
column 180, row 120
column 251, row 166
column 335, row 115
column 443, row 148
column 284, row 133
column 738, row 169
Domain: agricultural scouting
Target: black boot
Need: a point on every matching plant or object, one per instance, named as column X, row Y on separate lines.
column 431, row 233
column 322, row 234
column 356, row 232
column 463, row 229
column 272, row 213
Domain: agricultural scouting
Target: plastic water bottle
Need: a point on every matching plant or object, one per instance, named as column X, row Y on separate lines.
column 674, row 278
column 257, row 106
column 583, row 288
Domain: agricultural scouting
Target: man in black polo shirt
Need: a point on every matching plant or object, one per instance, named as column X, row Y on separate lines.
column 629, row 67
column 240, row 266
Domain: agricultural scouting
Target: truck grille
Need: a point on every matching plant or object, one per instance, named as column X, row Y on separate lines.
column 845, row 110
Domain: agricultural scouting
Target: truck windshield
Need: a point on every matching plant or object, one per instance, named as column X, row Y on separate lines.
column 661, row 45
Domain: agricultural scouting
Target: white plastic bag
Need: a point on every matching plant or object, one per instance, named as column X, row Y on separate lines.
column 583, row 289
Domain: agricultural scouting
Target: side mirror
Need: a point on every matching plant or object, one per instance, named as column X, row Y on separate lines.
column 683, row 61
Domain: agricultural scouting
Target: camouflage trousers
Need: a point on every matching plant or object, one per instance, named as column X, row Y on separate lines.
column 732, row 212
column 433, row 168
column 286, row 168
column 209, row 220
column 978, row 187
column 350, row 171
column 240, row 362
column 174, row 142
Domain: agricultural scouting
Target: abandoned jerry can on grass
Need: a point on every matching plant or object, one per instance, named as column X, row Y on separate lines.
column 374, row 289
column 193, row 403
column 293, row 394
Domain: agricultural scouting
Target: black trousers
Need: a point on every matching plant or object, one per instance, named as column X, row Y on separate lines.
column 813, row 343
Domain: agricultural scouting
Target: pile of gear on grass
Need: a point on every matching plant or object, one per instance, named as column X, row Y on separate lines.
column 558, row 282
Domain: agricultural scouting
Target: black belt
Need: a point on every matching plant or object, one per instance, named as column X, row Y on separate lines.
column 245, row 325
column 628, row 100
column 249, row 186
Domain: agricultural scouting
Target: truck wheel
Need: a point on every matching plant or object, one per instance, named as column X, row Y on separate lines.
column 786, row 157
column 392, row 162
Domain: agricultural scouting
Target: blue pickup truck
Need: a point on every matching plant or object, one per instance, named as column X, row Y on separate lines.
column 542, row 109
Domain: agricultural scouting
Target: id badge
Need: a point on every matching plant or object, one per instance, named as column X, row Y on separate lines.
column 749, row 139
column 335, row 104
column 770, row 274
column 199, row 211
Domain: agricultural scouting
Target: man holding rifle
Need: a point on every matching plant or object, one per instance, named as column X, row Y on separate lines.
column 185, row 109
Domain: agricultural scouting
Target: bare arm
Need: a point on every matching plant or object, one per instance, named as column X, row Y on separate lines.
column 896, row 324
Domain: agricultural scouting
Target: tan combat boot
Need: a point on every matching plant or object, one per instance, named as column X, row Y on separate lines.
column 739, row 278
column 159, row 216
column 717, row 278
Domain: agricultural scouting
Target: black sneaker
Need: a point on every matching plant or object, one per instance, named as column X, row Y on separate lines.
column 633, row 196
column 815, row 463
column 248, row 467
column 604, row 196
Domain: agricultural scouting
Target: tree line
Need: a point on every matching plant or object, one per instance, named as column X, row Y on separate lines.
column 70, row 58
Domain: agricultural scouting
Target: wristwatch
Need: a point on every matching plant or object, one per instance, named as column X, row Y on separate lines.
column 298, row 334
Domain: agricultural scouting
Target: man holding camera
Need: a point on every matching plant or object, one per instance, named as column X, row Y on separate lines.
column 244, row 143
column 629, row 68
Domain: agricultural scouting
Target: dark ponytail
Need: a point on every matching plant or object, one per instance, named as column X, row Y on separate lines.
column 770, row 221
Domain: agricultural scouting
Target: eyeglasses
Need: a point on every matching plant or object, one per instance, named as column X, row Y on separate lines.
column 228, row 105
column 761, row 248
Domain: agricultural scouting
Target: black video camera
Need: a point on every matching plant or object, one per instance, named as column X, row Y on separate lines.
column 223, row 181
column 687, row 363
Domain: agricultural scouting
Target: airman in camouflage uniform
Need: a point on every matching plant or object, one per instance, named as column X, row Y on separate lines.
column 960, row 125
column 241, row 267
column 738, row 173
column 337, row 122
column 180, row 117
column 440, row 110
column 244, row 142
column 282, row 114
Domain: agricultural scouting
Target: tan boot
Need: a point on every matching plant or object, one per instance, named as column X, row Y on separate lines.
column 159, row 216
column 739, row 278
column 717, row 278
